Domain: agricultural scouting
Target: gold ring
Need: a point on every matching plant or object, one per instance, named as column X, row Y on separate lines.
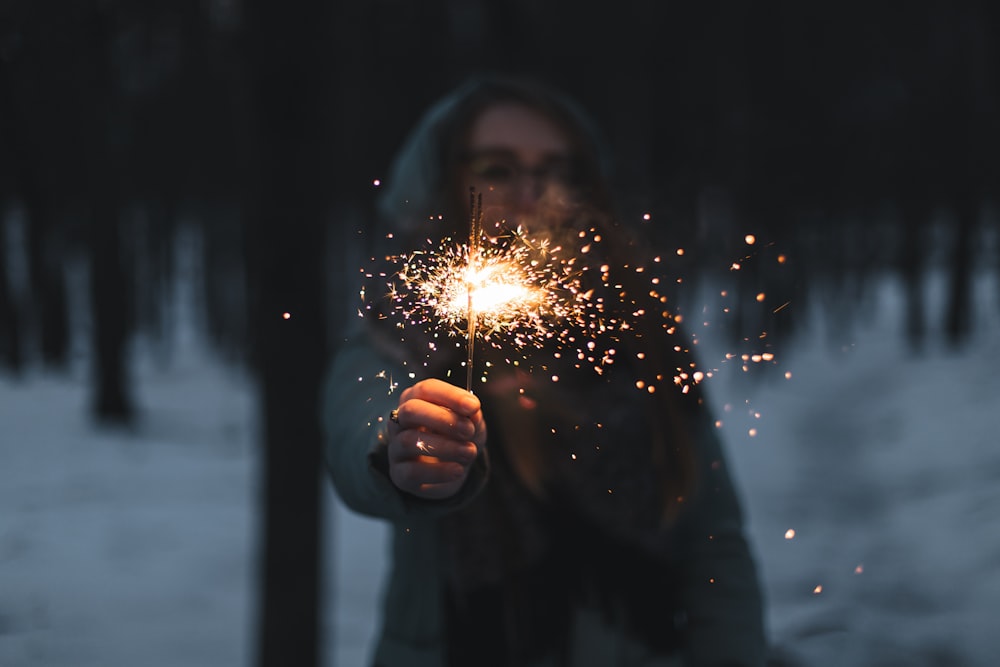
column 394, row 416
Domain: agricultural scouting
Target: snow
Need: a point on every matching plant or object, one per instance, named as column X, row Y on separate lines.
column 884, row 463
column 138, row 547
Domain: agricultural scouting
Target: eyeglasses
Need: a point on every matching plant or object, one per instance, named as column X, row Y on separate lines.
column 502, row 169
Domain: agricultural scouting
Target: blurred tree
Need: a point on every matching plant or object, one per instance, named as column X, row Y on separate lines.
column 287, row 200
column 104, row 123
column 11, row 356
column 48, row 280
column 45, row 309
column 845, row 132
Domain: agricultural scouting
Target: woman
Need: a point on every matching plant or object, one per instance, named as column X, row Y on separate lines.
column 535, row 522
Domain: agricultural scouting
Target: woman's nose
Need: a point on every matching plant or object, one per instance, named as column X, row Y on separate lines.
column 530, row 188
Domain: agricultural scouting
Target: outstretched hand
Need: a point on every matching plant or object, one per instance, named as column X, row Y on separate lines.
column 437, row 437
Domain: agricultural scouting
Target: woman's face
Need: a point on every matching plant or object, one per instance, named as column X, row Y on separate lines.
column 522, row 163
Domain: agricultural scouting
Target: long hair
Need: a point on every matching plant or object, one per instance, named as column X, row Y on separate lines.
column 422, row 196
column 421, row 182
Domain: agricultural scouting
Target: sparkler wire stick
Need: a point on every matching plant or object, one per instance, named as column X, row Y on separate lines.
column 475, row 225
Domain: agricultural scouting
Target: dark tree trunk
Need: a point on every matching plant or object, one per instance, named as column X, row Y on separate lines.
column 112, row 401
column 958, row 321
column 109, row 290
column 289, row 76
column 48, row 285
column 11, row 353
column 10, row 321
column 47, row 306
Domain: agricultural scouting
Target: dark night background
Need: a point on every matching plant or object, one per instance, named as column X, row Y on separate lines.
column 860, row 138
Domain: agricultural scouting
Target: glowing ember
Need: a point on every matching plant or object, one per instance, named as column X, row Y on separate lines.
column 498, row 291
column 505, row 285
column 516, row 292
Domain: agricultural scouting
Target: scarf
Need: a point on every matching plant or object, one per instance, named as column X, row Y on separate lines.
column 571, row 517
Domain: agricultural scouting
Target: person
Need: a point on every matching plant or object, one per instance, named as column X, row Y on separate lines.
column 534, row 521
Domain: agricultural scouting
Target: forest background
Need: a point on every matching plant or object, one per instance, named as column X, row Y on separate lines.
column 859, row 140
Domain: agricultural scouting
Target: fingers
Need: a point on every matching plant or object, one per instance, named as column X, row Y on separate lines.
column 416, row 414
column 428, row 479
column 441, row 393
column 429, row 465
column 410, row 445
column 435, row 440
column 439, row 407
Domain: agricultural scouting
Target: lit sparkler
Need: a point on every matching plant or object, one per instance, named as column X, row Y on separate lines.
column 473, row 279
column 510, row 283
column 516, row 291
column 512, row 290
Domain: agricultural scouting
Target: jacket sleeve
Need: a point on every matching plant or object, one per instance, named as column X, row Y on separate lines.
column 357, row 396
column 720, row 597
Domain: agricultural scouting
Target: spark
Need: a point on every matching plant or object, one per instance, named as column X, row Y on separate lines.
column 518, row 292
column 509, row 290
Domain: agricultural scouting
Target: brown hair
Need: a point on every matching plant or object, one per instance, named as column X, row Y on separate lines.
column 422, row 186
column 421, row 183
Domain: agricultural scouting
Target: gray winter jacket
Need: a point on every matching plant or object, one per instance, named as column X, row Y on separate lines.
column 721, row 597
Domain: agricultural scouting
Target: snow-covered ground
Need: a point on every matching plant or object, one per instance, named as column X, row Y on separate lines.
column 138, row 548
column 886, row 465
